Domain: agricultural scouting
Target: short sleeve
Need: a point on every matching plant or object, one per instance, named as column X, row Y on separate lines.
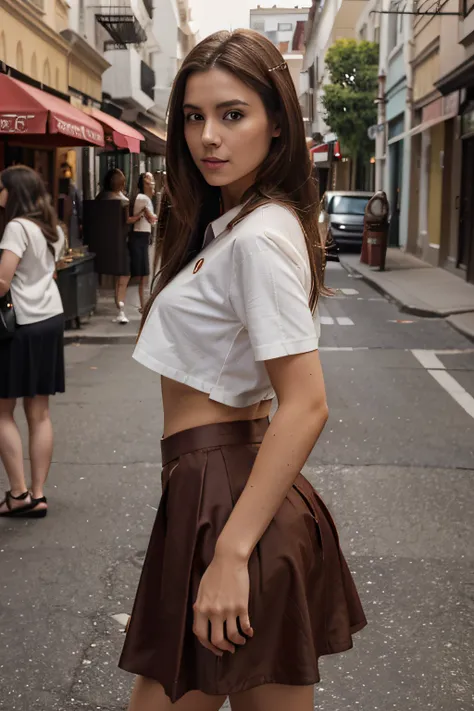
column 140, row 203
column 270, row 291
column 15, row 238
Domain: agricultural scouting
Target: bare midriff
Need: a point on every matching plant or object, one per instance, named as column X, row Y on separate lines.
column 185, row 408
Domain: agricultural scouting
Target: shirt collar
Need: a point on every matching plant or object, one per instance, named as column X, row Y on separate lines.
column 220, row 225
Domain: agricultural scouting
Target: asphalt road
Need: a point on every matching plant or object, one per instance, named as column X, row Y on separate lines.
column 395, row 464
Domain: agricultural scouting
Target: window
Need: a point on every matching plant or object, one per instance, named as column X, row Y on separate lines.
column 347, row 205
column 19, row 57
column 34, row 67
column 3, row 48
column 147, row 77
column 285, row 27
column 392, row 31
column 149, row 7
column 47, row 73
column 258, row 26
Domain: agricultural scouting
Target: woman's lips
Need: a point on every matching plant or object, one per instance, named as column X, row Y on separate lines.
column 214, row 163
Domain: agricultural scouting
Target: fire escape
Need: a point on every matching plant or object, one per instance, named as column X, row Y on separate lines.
column 118, row 19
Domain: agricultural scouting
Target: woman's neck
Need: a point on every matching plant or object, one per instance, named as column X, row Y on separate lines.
column 231, row 195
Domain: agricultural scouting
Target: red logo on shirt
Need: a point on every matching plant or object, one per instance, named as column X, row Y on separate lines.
column 198, row 266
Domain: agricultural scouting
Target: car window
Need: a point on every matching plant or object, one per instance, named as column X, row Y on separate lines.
column 347, row 205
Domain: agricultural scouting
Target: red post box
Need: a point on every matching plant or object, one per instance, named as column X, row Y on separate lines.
column 375, row 240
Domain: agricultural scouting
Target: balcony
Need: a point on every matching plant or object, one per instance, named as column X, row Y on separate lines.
column 122, row 25
column 129, row 81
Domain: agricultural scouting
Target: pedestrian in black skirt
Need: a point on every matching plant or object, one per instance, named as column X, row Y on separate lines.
column 32, row 360
column 244, row 585
column 140, row 237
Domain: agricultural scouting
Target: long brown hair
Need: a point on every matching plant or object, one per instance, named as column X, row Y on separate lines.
column 285, row 176
column 28, row 198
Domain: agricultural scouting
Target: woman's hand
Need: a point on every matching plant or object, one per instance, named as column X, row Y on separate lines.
column 222, row 605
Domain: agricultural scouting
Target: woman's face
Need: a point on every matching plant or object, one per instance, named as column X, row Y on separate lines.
column 3, row 195
column 227, row 129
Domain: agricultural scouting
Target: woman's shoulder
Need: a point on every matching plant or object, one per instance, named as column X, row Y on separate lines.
column 272, row 222
column 22, row 225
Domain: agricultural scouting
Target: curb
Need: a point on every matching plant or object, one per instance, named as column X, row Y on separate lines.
column 463, row 331
column 404, row 308
column 126, row 339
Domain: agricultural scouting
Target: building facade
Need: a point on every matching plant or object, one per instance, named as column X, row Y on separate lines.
column 31, row 41
column 285, row 28
column 455, row 83
column 393, row 141
column 177, row 34
column 328, row 21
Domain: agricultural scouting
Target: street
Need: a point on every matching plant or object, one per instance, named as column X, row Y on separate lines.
column 395, row 464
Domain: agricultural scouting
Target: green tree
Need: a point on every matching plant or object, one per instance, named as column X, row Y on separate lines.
column 349, row 97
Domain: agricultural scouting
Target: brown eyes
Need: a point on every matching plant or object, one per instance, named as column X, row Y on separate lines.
column 229, row 116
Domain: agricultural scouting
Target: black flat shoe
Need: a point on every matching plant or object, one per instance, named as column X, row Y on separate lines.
column 18, row 510
column 39, row 513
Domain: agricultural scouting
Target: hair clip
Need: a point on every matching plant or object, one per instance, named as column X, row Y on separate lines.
column 280, row 67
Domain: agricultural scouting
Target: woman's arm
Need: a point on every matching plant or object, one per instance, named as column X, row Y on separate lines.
column 131, row 219
column 293, row 432
column 150, row 216
column 8, row 266
column 300, row 418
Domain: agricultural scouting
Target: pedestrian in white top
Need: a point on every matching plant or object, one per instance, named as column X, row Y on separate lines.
column 32, row 360
column 244, row 585
column 140, row 238
column 114, row 189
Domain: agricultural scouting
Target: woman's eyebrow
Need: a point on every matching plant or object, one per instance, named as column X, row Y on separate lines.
column 221, row 105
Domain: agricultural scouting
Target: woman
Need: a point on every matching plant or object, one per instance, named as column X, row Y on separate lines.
column 244, row 585
column 114, row 189
column 32, row 361
column 140, row 238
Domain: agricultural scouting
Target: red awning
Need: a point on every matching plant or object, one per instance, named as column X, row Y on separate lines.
column 322, row 148
column 27, row 111
column 120, row 133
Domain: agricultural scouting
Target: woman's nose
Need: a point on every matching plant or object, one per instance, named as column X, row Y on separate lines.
column 210, row 134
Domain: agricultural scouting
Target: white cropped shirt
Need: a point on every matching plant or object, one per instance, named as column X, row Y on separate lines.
column 242, row 301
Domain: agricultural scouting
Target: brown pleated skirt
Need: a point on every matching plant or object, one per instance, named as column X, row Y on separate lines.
column 303, row 601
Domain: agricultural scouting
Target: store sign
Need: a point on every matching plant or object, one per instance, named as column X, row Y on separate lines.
column 68, row 128
column 16, row 123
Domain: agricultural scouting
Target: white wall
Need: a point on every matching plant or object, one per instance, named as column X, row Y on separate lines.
column 122, row 79
column 271, row 22
column 165, row 26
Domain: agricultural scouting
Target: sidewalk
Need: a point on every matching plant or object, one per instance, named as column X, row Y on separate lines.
column 101, row 328
column 419, row 289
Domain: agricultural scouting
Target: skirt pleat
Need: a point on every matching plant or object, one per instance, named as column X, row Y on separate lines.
column 303, row 602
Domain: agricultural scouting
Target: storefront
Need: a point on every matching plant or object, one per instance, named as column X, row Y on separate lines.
column 460, row 169
column 34, row 124
column 466, row 225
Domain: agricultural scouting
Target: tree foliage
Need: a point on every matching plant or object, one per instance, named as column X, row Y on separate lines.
column 349, row 97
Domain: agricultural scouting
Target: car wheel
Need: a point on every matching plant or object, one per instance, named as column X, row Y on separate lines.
column 332, row 251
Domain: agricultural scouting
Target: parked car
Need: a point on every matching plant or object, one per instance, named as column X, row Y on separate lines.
column 341, row 217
